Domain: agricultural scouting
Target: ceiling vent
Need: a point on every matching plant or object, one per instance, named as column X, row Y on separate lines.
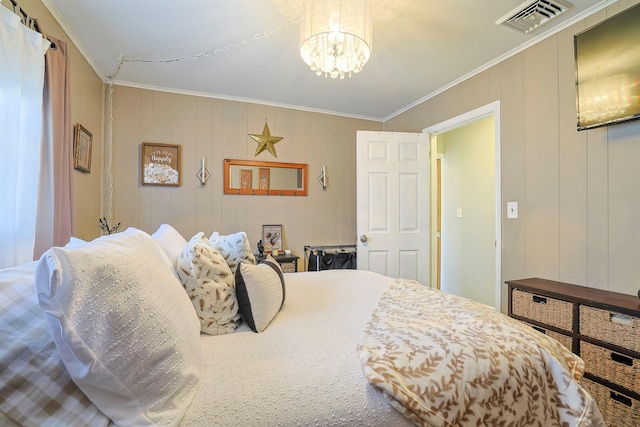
column 531, row 14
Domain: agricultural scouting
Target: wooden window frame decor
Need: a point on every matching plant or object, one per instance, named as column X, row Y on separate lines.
column 272, row 238
column 263, row 178
column 160, row 164
column 82, row 145
column 246, row 179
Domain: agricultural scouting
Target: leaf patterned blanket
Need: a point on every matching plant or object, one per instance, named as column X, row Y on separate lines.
column 443, row 360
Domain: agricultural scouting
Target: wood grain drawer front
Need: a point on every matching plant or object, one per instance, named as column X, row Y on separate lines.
column 608, row 326
column 565, row 340
column 617, row 409
column 618, row 368
column 550, row 311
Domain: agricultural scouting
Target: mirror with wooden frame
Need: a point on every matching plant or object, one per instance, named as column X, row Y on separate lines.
column 265, row 178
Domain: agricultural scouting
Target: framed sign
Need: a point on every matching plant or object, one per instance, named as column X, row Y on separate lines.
column 82, row 149
column 160, row 164
column 272, row 238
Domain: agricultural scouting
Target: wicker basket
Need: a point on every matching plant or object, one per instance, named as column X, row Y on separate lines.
column 288, row 267
column 617, row 368
column 549, row 311
column 565, row 340
column 608, row 326
column 617, row 409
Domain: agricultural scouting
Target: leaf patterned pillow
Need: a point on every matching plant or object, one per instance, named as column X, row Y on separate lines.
column 234, row 248
column 211, row 286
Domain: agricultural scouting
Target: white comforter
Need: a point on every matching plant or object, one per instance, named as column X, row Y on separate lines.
column 304, row 368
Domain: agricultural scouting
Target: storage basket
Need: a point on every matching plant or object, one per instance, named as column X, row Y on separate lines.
column 288, row 267
column 610, row 365
column 550, row 311
column 608, row 326
column 565, row 340
column 617, row 409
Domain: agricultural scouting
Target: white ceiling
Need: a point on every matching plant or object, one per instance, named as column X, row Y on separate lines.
column 420, row 47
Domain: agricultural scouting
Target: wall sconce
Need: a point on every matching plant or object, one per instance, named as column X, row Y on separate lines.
column 203, row 174
column 323, row 179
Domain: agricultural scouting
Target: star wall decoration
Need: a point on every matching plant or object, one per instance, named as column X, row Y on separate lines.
column 265, row 141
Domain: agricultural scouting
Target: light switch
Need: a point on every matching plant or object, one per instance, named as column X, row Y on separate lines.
column 459, row 213
column 512, row 209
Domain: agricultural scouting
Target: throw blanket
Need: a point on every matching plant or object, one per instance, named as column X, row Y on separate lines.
column 444, row 360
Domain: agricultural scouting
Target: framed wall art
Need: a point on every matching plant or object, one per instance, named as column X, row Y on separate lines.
column 272, row 238
column 160, row 164
column 246, row 179
column 82, row 142
column 263, row 181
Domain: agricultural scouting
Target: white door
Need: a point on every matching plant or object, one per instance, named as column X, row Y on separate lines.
column 393, row 204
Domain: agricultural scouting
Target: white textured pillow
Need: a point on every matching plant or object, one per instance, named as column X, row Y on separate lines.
column 235, row 248
column 171, row 241
column 74, row 242
column 261, row 292
column 210, row 285
column 124, row 327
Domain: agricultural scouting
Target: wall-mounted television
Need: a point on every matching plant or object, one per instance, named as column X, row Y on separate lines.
column 607, row 64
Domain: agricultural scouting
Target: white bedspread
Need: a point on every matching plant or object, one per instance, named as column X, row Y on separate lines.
column 304, row 368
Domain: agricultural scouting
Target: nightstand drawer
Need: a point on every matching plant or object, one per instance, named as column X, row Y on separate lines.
column 565, row 340
column 618, row 368
column 288, row 267
column 288, row 263
column 550, row 311
column 608, row 326
column 617, row 409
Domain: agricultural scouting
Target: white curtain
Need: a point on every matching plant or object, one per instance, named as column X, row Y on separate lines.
column 21, row 82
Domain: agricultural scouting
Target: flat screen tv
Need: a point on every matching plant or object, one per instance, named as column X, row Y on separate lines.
column 607, row 63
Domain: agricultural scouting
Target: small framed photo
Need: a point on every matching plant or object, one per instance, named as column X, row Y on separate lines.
column 246, row 179
column 160, row 164
column 263, row 181
column 272, row 238
column 82, row 149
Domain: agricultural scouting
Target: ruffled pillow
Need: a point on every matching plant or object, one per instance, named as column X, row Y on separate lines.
column 235, row 248
column 211, row 286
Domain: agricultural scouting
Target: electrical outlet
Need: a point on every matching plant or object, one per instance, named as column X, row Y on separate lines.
column 459, row 213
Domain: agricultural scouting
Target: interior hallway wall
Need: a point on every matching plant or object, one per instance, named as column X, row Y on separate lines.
column 469, row 184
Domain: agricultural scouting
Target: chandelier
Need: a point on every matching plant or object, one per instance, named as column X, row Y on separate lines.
column 335, row 36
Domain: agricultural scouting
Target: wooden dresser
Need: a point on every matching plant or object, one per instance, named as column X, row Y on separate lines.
column 601, row 327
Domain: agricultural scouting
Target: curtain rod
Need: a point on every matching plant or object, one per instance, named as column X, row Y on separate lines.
column 24, row 16
column 28, row 21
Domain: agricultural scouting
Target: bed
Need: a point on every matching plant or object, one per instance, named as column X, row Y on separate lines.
column 342, row 348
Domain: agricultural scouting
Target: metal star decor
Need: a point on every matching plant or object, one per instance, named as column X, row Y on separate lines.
column 265, row 141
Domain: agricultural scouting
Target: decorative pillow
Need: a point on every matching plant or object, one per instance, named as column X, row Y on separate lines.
column 234, row 248
column 171, row 241
column 123, row 326
column 261, row 292
column 210, row 285
column 74, row 242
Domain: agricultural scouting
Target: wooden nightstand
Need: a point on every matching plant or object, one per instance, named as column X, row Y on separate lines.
column 289, row 263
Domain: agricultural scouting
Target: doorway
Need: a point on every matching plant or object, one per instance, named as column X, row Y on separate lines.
column 466, row 259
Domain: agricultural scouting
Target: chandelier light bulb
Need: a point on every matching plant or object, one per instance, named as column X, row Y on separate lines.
column 335, row 36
